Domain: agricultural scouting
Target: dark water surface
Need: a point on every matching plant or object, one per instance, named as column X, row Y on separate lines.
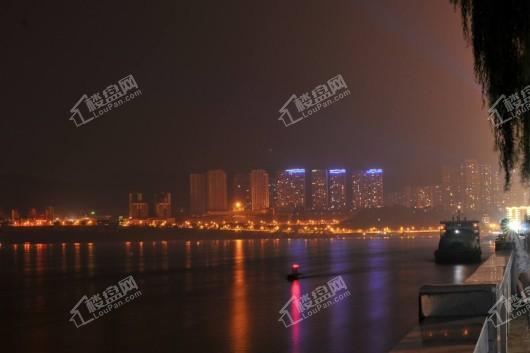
column 216, row 296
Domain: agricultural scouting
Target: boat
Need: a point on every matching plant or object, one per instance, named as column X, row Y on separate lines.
column 502, row 242
column 294, row 275
column 459, row 241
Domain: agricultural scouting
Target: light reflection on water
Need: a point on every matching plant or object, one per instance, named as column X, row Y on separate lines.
column 239, row 316
column 459, row 273
column 295, row 314
column 221, row 295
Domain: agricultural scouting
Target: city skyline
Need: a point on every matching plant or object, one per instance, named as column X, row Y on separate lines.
column 419, row 195
column 265, row 176
column 204, row 131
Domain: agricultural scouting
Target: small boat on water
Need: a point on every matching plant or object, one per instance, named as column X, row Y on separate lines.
column 294, row 275
column 502, row 242
column 459, row 241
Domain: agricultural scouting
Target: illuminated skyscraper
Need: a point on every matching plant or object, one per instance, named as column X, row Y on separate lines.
column 216, row 190
column 470, row 185
column 519, row 214
column 259, row 189
column 197, row 194
column 163, row 205
column 319, row 189
column 290, row 189
column 373, row 188
column 138, row 207
column 367, row 189
column 498, row 190
column 241, row 191
column 449, row 188
column 356, row 184
column 273, row 190
column 337, row 189
column 416, row 197
column 487, row 188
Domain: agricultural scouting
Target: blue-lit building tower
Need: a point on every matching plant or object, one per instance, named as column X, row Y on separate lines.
column 367, row 188
column 337, row 189
column 290, row 190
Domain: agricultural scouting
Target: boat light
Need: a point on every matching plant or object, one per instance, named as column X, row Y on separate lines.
column 294, row 268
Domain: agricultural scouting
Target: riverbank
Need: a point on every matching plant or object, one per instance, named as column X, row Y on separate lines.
column 106, row 233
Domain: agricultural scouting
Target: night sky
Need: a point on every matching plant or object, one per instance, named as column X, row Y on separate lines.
column 213, row 76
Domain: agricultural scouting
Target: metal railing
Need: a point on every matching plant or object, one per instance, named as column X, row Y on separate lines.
column 465, row 317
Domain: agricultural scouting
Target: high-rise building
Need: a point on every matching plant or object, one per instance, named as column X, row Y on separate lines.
column 216, row 190
column 241, row 191
column 471, row 186
column 395, row 198
column 337, row 189
column 163, row 205
column 367, row 189
column 290, row 189
column 498, row 190
column 259, row 189
column 519, row 214
column 450, row 188
column 273, row 190
column 356, row 185
column 437, row 196
column 470, row 179
column 373, row 188
column 487, row 188
column 197, row 194
column 319, row 189
column 138, row 207
column 428, row 196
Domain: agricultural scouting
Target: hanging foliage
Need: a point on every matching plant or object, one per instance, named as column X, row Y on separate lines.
column 499, row 34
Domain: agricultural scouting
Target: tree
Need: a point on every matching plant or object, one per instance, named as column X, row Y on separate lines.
column 500, row 37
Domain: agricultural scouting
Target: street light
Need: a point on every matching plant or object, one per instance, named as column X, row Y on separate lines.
column 238, row 206
column 515, row 226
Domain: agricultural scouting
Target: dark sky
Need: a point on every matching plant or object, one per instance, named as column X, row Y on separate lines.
column 213, row 76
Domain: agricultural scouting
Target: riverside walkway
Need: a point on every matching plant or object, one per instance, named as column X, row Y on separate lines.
column 459, row 318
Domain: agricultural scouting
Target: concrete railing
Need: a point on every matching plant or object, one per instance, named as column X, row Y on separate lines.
column 459, row 318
